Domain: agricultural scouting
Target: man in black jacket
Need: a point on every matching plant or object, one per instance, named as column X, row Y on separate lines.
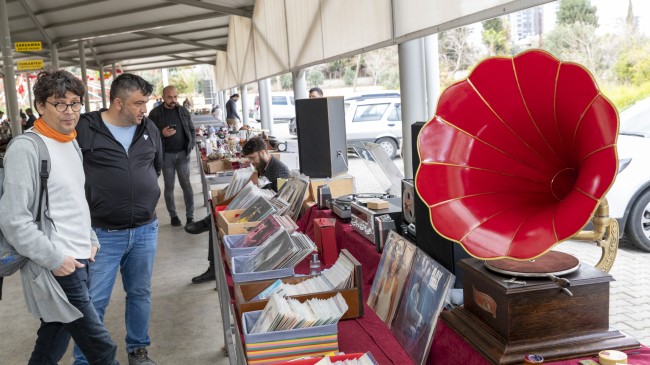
column 175, row 125
column 122, row 154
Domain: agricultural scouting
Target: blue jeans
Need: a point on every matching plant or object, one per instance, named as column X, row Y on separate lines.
column 88, row 331
column 132, row 251
column 177, row 163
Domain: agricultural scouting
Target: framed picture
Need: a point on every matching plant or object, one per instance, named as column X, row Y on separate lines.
column 425, row 293
column 393, row 269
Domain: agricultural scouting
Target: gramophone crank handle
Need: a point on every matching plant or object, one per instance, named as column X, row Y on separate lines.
column 562, row 283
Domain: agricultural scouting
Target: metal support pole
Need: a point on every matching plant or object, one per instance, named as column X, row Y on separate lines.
column 54, row 56
column 84, row 79
column 265, row 104
column 432, row 73
column 244, row 104
column 6, row 48
column 113, row 70
column 299, row 84
column 222, row 101
column 29, row 91
column 102, row 85
column 165, row 77
column 413, row 89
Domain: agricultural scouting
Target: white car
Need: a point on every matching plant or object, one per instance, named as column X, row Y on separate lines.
column 377, row 120
column 283, row 107
column 629, row 197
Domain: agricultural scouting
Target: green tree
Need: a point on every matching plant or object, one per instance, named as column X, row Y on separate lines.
column 348, row 76
column 495, row 36
column 315, row 77
column 579, row 42
column 456, row 53
column 286, row 81
column 633, row 64
column 573, row 11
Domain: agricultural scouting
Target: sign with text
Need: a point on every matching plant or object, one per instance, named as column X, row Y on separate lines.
column 30, row 65
column 28, row 46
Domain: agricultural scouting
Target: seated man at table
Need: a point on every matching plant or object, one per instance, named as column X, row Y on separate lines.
column 268, row 167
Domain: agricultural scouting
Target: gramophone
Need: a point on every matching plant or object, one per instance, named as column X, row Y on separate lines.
column 517, row 159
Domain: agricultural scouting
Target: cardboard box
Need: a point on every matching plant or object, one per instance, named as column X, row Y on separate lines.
column 245, row 292
column 376, row 204
column 273, row 347
column 227, row 221
column 338, row 186
column 212, row 167
column 291, row 159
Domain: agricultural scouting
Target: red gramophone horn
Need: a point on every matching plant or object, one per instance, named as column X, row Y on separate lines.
column 518, row 156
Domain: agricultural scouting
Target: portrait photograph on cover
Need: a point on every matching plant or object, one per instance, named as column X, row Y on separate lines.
column 394, row 267
column 425, row 293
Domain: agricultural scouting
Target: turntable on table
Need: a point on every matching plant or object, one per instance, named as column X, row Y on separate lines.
column 341, row 205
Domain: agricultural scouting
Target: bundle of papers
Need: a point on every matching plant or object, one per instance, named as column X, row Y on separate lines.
column 365, row 359
column 247, row 196
column 339, row 276
column 260, row 209
column 282, row 251
column 281, row 314
column 293, row 192
column 239, row 179
column 266, row 229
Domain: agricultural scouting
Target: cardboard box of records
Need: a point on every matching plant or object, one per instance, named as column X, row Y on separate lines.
column 247, row 294
column 214, row 166
column 340, row 185
column 228, row 225
column 219, row 195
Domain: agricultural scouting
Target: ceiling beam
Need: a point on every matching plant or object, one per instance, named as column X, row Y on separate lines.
column 154, row 67
column 198, row 30
column 139, row 27
column 190, row 50
column 215, row 7
column 112, row 43
column 175, row 40
column 193, row 59
column 35, row 21
column 58, row 8
column 122, row 50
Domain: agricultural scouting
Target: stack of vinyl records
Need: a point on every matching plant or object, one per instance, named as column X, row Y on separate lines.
column 281, row 251
column 260, row 209
column 339, row 276
column 293, row 192
column 281, row 314
column 239, row 179
column 247, row 196
column 266, row 229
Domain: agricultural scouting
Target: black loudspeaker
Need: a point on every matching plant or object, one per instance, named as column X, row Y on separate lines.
column 446, row 252
column 321, row 136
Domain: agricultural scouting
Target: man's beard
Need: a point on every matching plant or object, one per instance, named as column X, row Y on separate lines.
column 261, row 167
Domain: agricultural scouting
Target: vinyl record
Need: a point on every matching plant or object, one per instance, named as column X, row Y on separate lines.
column 408, row 201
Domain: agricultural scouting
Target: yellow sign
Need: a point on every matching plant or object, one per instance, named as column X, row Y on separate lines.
column 30, row 65
column 28, row 46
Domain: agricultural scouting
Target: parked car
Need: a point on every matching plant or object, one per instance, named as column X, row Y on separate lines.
column 629, row 197
column 374, row 118
column 283, row 107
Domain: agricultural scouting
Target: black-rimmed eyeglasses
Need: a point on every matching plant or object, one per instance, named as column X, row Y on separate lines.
column 62, row 107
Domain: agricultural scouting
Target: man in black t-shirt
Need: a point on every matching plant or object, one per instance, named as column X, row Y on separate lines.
column 177, row 130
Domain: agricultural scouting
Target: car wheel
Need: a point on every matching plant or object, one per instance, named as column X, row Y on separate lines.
column 389, row 146
column 638, row 222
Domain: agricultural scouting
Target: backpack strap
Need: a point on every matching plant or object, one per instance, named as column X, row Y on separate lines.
column 44, row 174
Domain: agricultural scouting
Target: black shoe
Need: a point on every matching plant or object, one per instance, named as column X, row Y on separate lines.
column 198, row 227
column 176, row 222
column 140, row 357
column 208, row 275
column 189, row 221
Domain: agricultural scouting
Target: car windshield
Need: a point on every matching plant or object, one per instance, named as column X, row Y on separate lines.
column 636, row 119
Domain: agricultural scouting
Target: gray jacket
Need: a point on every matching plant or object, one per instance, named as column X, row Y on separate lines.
column 18, row 208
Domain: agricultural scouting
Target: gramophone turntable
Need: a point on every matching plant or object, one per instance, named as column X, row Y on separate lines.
column 341, row 205
column 517, row 159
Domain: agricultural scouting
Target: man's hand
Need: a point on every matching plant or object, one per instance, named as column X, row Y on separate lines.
column 93, row 252
column 168, row 132
column 68, row 267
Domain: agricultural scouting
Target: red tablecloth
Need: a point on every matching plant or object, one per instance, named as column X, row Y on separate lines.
column 371, row 334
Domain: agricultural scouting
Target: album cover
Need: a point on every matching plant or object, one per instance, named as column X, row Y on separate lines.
column 260, row 233
column 259, row 210
column 391, row 275
column 425, row 294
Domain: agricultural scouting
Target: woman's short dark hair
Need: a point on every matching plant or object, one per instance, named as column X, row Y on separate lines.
column 125, row 84
column 57, row 84
column 255, row 144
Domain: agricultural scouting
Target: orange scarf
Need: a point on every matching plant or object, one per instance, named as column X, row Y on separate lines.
column 45, row 130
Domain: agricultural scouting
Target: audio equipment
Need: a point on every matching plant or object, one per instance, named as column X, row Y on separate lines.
column 363, row 218
column 321, row 137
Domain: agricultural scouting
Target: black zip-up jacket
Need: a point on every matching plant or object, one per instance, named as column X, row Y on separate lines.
column 156, row 115
column 122, row 190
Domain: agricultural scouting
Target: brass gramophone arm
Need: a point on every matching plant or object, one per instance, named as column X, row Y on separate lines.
column 605, row 234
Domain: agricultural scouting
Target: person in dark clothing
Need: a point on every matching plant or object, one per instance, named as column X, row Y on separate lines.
column 232, row 118
column 31, row 118
column 175, row 125
column 123, row 157
column 267, row 166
